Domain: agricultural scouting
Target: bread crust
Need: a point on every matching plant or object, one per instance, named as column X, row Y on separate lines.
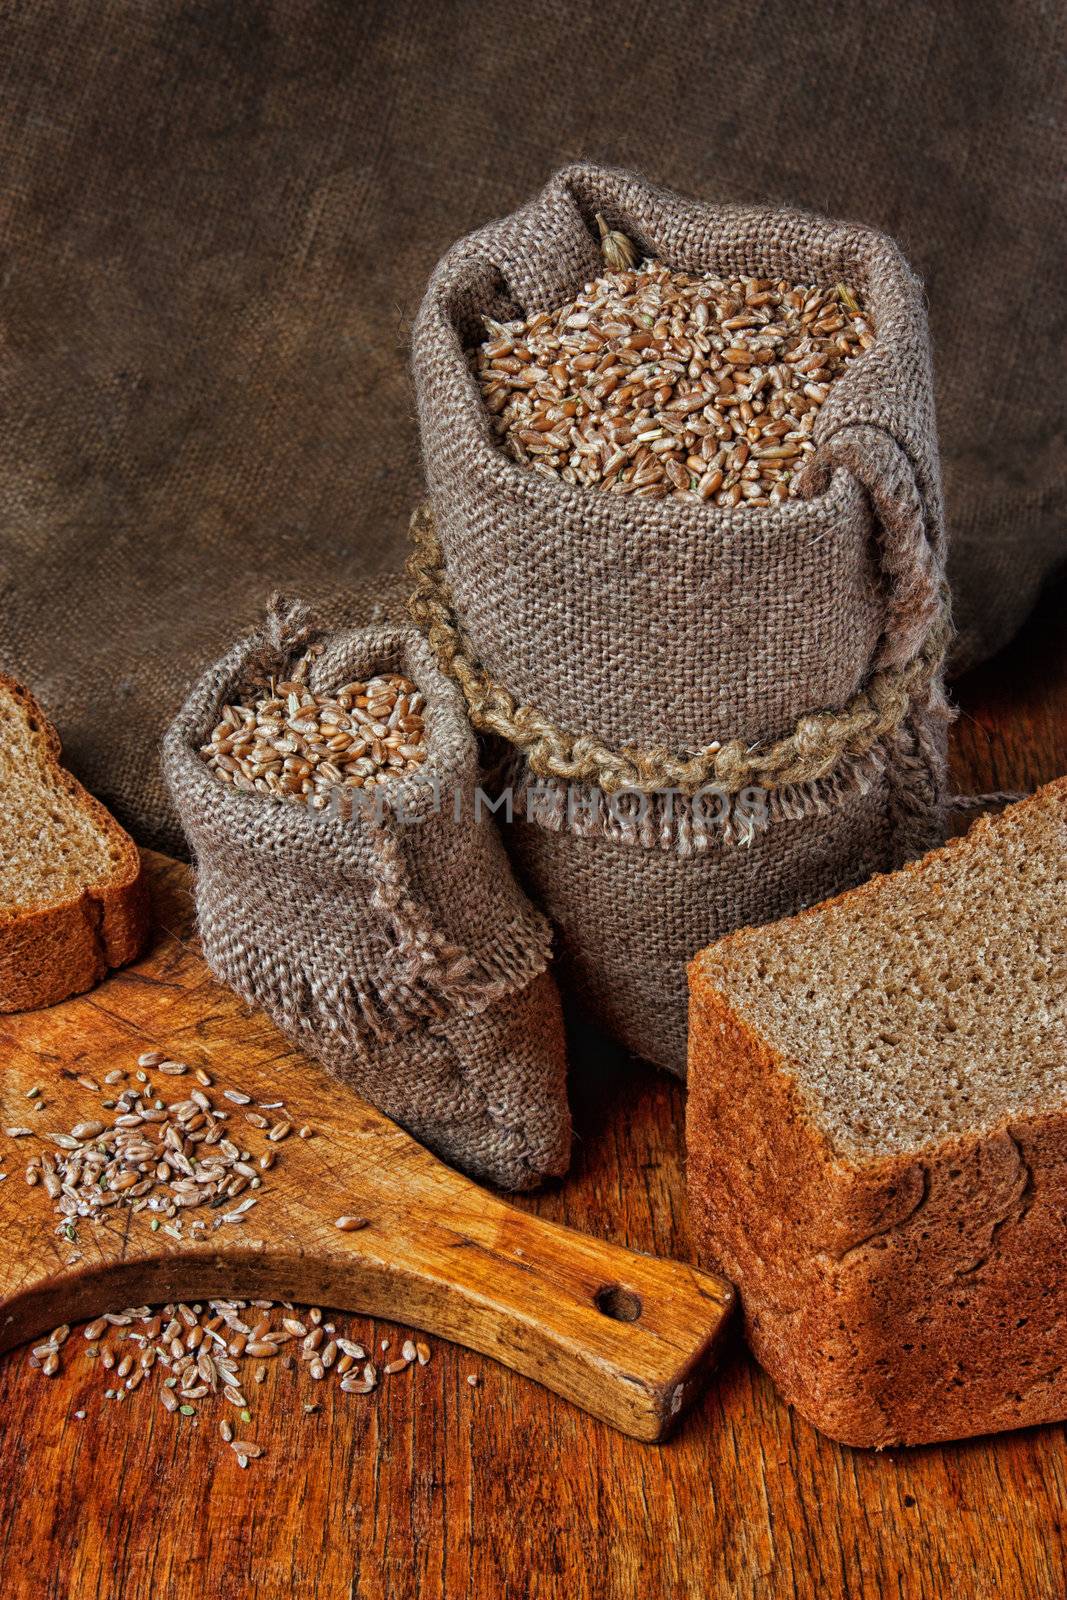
column 896, row 1299
column 51, row 952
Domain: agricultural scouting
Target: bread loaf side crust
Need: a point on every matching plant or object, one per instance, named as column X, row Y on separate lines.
column 898, row 1301
column 50, row 952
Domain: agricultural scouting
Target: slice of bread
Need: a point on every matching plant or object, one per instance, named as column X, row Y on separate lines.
column 877, row 1132
column 73, row 902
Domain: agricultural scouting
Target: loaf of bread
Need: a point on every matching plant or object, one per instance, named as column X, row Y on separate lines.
column 877, row 1133
column 72, row 895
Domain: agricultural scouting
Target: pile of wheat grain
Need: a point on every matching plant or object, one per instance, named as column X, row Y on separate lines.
column 293, row 744
column 654, row 383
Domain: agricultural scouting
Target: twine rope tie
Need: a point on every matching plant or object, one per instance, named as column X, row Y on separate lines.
column 819, row 741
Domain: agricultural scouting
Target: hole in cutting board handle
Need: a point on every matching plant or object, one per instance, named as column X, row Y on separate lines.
column 622, row 1305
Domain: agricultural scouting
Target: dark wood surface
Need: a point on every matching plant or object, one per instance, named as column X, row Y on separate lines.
column 435, row 1488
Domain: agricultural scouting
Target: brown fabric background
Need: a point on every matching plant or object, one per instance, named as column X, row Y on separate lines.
column 218, row 220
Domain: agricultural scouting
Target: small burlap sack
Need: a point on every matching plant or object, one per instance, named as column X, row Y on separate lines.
column 789, row 658
column 392, row 944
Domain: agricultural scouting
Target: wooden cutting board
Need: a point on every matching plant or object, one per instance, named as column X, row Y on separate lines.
column 627, row 1337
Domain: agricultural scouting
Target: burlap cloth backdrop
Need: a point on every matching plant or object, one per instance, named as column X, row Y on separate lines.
column 217, row 222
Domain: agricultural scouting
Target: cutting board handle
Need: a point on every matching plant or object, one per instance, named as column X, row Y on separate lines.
column 628, row 1337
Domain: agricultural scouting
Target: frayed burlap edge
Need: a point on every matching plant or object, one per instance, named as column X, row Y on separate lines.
column 423, row 976
column 907, row 762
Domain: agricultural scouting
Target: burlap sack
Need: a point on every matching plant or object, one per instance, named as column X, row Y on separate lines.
column 394, row 946
column 790, row 657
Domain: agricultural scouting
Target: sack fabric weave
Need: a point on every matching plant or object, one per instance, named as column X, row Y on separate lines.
column 629, row 643
column 392, row 944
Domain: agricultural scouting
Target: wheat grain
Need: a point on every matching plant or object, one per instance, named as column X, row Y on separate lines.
column 292, row 744
column 150, row 1156
column 657, row 383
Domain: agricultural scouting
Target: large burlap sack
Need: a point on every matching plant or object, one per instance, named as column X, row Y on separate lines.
column 391, row 943
column 789, row 657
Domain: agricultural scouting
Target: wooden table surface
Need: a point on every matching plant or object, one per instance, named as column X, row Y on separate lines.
column 501, row 1491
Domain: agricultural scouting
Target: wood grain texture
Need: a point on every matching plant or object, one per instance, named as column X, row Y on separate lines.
column 505, row 1491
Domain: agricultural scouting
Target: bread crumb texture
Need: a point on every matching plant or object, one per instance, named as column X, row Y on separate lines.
column 51, row 846
column 928, row 1003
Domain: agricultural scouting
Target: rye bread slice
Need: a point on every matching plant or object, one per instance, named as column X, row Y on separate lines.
column 73, row 902
column 877, row 1133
